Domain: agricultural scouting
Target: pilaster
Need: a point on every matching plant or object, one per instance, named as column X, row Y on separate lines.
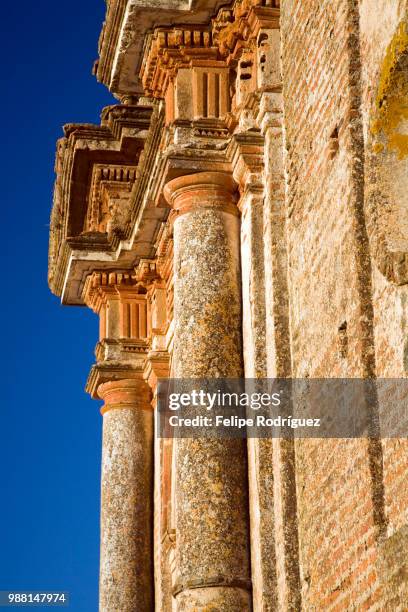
column 157, row 367
column 281, row 458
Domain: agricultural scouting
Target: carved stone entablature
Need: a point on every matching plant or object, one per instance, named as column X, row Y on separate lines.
column 120, row 301
column 248, row 37
column 168, row 49
column 183, row 66
column 208, row 71
column 109, row 198
column 199, row 69
column 96, row 168
column 126, row 25
column 146, row 271
column 133, row 315
column 211, row 79
column 205, row 76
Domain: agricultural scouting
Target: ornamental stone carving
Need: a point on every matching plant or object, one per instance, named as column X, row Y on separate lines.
column 242, row 213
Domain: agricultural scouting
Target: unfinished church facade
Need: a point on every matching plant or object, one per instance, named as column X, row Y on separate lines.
column 243, row 212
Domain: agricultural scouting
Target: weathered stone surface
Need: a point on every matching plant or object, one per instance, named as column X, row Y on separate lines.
column 212, row 546
column 126, row 571
column 243, row 213
column 101, row 218
column 334, row 318
column 126, row 25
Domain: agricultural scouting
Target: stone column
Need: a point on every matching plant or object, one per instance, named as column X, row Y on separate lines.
column 212, row 549
column 126, row 567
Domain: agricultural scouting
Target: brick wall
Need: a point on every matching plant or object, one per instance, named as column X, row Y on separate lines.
column 346, row 319
column 380, row 22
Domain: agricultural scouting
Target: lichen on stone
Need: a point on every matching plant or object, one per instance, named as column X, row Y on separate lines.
column 391, row 103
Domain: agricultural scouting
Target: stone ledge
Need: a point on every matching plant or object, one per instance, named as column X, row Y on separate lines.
column 126, row 25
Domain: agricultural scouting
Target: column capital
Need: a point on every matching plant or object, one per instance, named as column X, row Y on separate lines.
column 106, row 372
column 213, row 190
column 125, row 393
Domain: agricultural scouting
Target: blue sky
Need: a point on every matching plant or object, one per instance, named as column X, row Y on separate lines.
column 51, row 430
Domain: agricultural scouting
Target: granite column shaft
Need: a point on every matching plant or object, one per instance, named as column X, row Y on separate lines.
column 126, row 567
column 212, row 525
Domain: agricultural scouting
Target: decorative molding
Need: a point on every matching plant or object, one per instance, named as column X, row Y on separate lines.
column 202, row 190
column 78, row 219
column 146, row 271
column 123, row 34
column 199, row 72
column 106, row 372
column 109, row 198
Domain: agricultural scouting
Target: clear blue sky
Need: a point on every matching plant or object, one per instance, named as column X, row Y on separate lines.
column 50, row 429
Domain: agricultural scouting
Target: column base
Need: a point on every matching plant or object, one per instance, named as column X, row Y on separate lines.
column 215, row 598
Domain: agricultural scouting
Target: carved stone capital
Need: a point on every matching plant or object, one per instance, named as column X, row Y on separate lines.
column 108, row 372
column 214, row 190
column 124, row 394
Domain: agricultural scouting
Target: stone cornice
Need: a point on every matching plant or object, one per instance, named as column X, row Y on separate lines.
column 96, row 195
column 109, row 203
column 129, row 24
column 210, row 51
column 126, row 24
column 84, row 157
column 239, row 155
column 168, row 49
